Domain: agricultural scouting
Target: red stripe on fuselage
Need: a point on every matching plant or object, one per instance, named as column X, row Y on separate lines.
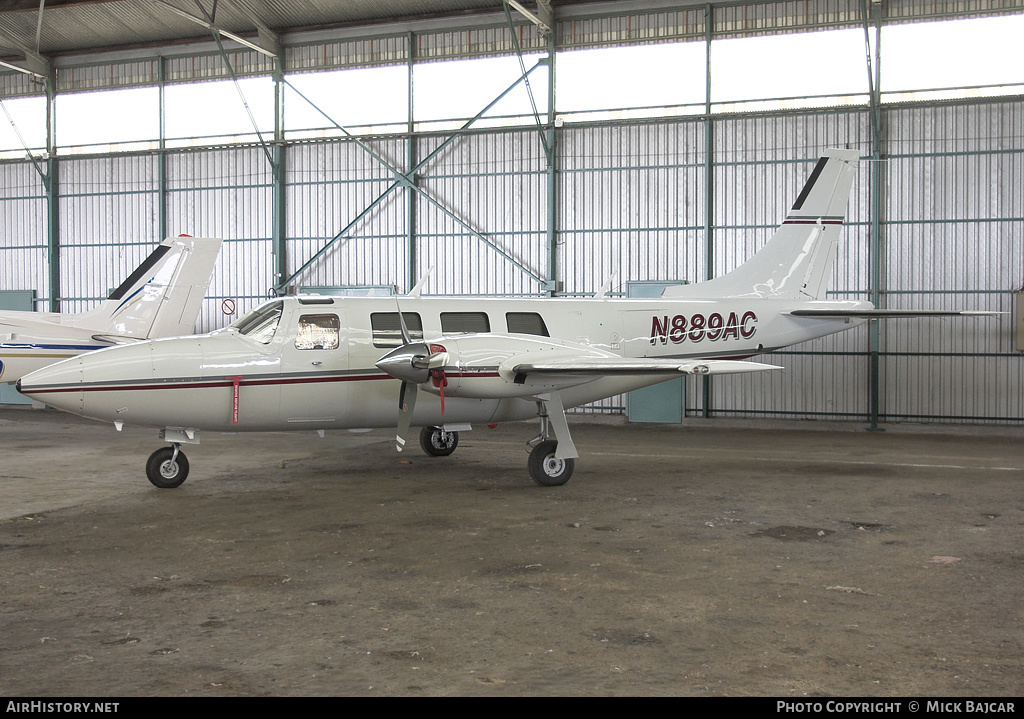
column 230, row 383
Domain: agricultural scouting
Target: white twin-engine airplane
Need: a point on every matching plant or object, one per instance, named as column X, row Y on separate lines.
column 321, row 363
column 161, row 298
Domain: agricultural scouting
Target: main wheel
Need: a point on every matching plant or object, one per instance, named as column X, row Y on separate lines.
column 437, row 442
column 546, row 469
column 165, row 473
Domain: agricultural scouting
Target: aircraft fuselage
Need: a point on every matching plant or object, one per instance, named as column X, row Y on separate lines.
column 292, row 379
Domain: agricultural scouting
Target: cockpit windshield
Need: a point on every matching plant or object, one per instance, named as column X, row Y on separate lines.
column 260, row 324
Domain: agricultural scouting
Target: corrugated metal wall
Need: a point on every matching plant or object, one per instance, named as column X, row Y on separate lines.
column 632, row 198
column 23, row 245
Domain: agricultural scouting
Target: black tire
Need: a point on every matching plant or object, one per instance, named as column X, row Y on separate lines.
column 438, row 443
column 545, row 469
column 162, row 472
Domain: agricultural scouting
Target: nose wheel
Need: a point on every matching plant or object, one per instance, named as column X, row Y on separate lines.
column 436, row 442
column 167, row 467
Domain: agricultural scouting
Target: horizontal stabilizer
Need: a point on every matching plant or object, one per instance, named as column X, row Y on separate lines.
column 626, row 366
column 889, row 314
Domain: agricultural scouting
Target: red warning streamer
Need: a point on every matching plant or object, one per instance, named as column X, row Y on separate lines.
column 234, row 398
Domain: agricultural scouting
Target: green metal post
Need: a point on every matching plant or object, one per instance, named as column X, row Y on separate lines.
column 277, row 168
column 552, row 171
column 52, row 187
column 410, row 195
column 161, row 158
column 709, row 178
column 872, row 17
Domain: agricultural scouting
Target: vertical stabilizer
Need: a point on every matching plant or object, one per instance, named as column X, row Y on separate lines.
column 161, row 298
column 796, row 263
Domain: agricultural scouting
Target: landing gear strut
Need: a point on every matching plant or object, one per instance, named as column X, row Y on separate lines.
column 437, row 442
column 548, row 466
column 167, row 467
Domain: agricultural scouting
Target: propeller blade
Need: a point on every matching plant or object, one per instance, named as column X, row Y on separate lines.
column 406, row 404
column 406, row 337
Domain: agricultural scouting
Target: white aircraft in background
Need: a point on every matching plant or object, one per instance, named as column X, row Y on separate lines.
column 329, row 362
column 161, row 298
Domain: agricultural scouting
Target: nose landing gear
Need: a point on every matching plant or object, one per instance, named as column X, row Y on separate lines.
column 438, row 442
column 167, row 467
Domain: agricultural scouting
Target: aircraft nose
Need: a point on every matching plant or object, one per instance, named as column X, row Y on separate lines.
column 58, row 385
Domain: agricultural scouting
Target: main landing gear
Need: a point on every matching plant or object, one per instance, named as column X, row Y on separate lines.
column 167, row 467
column 549, row 466
column 552, row 460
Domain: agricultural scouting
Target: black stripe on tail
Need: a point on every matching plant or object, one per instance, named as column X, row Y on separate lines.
column 810, row 183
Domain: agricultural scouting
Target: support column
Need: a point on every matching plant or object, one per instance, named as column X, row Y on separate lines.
column 709, row 182
column 161, row 158
column 277, row 168
column 552, row 272
column 873, row 20
column 410, row 164
column 52, row 187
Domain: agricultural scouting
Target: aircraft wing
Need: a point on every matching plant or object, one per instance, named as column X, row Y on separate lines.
column 889, row 314
column 634, row 366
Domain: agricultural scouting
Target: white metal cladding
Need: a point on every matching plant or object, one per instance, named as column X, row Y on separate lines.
column 130, row 73
column 364, row 52
column 789, row 15
column 806, row 389
column 631, row 204
column 108, row 221
column 18, row 84
column 210, row 66
column 760, row 166
column 477, row 42
column 586, row 27
column 328, row 185
column 225, row 193
column 918, row 10
column 492, row 185
column 654, row 26
column 23, row 230
column 953, row 239
column 244, row 274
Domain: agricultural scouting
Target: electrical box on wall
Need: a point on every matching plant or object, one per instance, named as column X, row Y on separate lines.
column 1020, row 321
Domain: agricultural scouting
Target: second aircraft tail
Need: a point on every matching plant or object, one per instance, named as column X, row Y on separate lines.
column 161, row 298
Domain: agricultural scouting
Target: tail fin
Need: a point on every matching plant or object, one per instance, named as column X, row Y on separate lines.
column 796, row 263
column 161, row 298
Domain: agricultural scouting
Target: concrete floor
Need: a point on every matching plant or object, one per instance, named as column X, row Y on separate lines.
column 721, row 558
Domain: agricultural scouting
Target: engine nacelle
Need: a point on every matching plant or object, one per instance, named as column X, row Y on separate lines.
column 480, row 366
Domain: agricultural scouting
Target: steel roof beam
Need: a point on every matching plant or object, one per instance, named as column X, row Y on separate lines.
column 213, row 28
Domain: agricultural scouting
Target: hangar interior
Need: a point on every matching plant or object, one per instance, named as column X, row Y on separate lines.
column 514, row 151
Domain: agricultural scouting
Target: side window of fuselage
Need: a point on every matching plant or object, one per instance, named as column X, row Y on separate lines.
column 526, row 323
column 318, row 332
column 387, row 330
column 464, row 323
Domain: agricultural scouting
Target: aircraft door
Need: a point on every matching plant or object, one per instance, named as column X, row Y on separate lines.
column 314, row 370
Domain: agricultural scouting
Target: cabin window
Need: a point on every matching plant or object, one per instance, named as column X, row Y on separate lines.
column 387, row 330
column 260, row 324
column 464, row 322
column 526, row 323
column 318, row 332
